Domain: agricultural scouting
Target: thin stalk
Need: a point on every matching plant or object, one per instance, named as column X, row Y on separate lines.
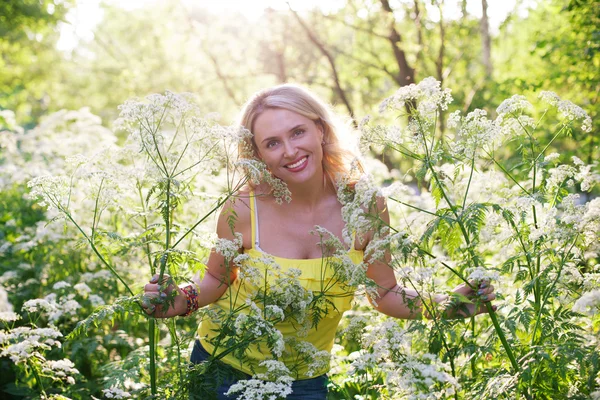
column 38, row 379
column 173, row 331
column 507, row 173
column 208, row 152
column 549, row 143
column 415, row 208
column 490, row 310
column 215, row 208
column 468, row 184
column 163, row 265
column 100, row 256
column 145, row 225
column 152, row 346
column 473, row 365
column 549, row 291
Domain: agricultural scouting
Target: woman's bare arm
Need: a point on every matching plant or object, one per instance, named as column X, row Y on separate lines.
column 406, row 303
column 217, row 276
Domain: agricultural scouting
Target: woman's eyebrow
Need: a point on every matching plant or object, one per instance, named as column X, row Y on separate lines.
column 290, row 130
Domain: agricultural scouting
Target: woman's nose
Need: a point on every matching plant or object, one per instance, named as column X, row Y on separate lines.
column 289, row 149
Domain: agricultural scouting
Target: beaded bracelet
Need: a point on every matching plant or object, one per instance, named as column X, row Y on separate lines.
column 191, row 295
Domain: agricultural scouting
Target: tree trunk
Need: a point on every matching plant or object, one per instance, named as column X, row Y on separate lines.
column 439, row 64
column 463, row 10
column 486, row 40
column 340, row 91
column 406, row 74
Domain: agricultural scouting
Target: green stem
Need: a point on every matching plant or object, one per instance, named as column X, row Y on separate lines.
column 512, row 178
column 215, row 208
column 464, row 203
column 549, row 143
column 152, row 346
column 163, row 265
column 414, row 207
column 38, row 379
column 500, row 333
column 473, row 364
column 549, row 292
column 100, row 256
column 490, row 310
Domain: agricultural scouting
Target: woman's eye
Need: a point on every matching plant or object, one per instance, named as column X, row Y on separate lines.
column 298, row 132
column 271, row 144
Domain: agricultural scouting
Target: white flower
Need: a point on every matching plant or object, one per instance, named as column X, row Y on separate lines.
column 9, row 316
column 275, row 383
column 481, row 274
column 52, row 191
column 588, row 303
column 116, row 393
column 568, row 110
column 96, row 300
column 35, row 305
column 428, row 96
column 4, row 303
column 82, row 288
column 229, row 249
column 60, row 368
column 61, row 285
column 476, row 131
column 551, row 157
column 517, row 103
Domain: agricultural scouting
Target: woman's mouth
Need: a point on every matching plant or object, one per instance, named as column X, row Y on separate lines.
column 297, row 165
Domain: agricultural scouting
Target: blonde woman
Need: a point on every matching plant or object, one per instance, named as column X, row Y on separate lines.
column 295, row 135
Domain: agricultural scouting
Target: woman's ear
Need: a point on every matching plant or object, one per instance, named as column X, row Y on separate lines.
column 321, row 127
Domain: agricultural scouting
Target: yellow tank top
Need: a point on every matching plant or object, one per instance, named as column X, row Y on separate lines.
column 316, row 276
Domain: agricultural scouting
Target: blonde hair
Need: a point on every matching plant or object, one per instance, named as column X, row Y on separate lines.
column 338, row 162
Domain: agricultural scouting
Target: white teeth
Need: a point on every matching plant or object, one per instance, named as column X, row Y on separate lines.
column 296, row 165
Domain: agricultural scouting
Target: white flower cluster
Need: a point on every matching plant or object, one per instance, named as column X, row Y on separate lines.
column 289, row 294
column 21, row 343
column 255, row 325
column 317, row 360
column 53, row 191
column 427, row 95
column 482, row 274
column 229, row 249
column 116, row 393
column 5, row 305
column 588, row 303
column 589, row 223
column 42, row 151
column 475, row 131
column 61, row 285
column 386, row 350
column 53, row 307
column 355, row 206
column 568, row 175
column 275, row 384
column 568, row 110
column 62, row 369
column 9, row 316
column 515, row 105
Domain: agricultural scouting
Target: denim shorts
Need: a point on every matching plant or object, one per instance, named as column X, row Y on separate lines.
column 306, row 389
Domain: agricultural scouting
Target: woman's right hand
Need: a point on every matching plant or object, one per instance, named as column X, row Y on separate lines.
column 163, row 299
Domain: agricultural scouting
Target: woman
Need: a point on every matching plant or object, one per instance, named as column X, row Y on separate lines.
column 295, row 136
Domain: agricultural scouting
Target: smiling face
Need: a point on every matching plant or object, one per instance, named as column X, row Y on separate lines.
column 290, row 145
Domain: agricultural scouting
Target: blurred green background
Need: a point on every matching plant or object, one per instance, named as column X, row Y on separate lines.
column 68, row 54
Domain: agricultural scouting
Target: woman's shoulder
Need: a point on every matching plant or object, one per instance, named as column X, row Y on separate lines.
column 238, row 206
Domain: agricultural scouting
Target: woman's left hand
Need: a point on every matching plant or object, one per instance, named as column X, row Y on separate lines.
column 481, row 293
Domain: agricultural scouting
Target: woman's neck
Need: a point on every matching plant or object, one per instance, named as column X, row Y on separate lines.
column 310, row 195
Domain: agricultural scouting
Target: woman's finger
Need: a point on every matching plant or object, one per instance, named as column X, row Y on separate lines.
column 486, row 298
column 151, row 288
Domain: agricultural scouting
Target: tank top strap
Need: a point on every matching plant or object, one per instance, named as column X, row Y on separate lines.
column 254, row 221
